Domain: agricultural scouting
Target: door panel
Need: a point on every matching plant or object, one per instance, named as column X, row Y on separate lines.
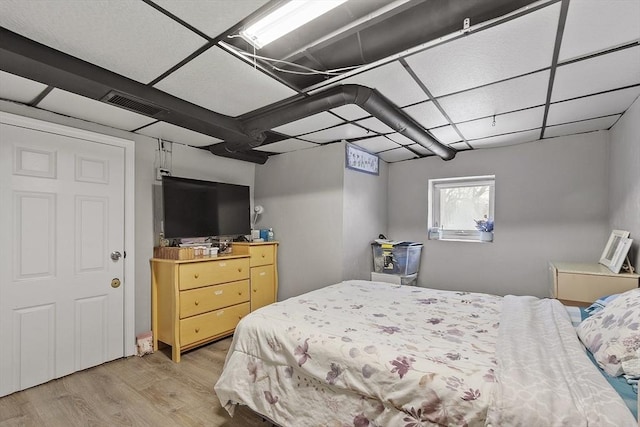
column 34, row 214
column 91, row 324
column 91, row 231
column 34, row 353
column 62, row 213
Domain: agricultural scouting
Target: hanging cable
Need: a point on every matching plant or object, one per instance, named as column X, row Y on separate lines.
column 308, row 70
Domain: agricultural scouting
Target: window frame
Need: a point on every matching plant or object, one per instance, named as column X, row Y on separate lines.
column 433, row 209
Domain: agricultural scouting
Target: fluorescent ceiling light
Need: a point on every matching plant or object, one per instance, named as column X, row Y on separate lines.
column 285, row 19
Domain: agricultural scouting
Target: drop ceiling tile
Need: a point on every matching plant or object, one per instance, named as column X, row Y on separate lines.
column 400, row 139
column 286, row 146
column 73, row 105
column 351, row 112
column 509, row 95
column 445, row 134
column 397, row 155
column 19, row 89
column 591, row 107
column 505, row 123
column 508, row 139
column 515, row 47
column 420, row 149
column 219, row 81
column 337, row 133
column 605, row 72
column 581, row 127
column 173, row 133
column 212, row 17
column 128, row 37
column 593, row 26
column 392, row 81
column 459, row 146
column 375, row 125
column 309, row 124
column 376, row 144
column 426, row 114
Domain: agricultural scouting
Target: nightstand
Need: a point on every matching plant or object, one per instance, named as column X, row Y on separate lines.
column 583, row 283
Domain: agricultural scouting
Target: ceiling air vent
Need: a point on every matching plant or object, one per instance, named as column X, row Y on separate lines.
column 132, row 103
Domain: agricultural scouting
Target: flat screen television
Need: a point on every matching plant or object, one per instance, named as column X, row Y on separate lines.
column 195, row 208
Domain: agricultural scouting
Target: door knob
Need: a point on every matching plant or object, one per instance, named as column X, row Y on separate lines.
column 115, row 283
column 115, row 255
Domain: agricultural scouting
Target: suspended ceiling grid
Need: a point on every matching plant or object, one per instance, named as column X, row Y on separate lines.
column 547, row 69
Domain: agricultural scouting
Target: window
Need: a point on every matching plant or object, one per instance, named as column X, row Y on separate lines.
column 456, row 203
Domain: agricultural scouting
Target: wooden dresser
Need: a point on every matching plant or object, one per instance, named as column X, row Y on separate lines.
column 197, row 301
column 583, row 283
column 194, row 302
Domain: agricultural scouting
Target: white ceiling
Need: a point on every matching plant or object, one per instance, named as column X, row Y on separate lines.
column 545, row 71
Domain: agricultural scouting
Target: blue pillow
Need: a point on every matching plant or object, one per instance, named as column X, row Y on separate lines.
column 600, row 303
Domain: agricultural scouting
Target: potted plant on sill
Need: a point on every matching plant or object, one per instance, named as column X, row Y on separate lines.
column 485, row 227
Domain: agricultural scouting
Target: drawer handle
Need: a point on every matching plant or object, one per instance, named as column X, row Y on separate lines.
column 263, row 255
column 255, row 290
column 196, row 275
column 217, row 292
column 197, row 330
column 239, row 293
column 196, row 302
column 240, row 270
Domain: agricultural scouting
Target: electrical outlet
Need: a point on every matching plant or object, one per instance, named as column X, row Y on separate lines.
column 160, row 172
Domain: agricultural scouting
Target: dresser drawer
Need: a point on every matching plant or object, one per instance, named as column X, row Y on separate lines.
column 201, row 300
column 588, row 288
column 261, row 255
column 263, row 286
column 199, row 274
column 204, row 326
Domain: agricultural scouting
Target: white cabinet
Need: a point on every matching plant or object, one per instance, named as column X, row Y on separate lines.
column 583, row 283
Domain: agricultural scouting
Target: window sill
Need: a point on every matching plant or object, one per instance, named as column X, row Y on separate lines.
column 464, row 240
column 475, row 237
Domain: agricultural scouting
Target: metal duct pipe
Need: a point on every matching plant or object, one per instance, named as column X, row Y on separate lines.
column 252, row 156
column 35, row 61
column 369, row 99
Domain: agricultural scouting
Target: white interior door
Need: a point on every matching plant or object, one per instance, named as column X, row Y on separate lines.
column 61, row 216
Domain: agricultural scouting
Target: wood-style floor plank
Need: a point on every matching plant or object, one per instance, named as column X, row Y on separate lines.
column 137, row 391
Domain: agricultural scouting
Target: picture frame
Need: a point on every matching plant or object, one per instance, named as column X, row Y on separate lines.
column 613, row 250
column 620, row 255
column 361, row 160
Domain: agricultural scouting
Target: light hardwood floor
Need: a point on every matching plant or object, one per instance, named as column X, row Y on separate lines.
column 137, row 391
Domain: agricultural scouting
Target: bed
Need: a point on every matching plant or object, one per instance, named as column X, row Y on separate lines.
column 363, row 353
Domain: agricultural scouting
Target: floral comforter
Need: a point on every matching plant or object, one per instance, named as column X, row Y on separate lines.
column 363, row 353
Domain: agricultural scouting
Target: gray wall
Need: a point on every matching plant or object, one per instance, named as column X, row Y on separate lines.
column 365, row 217
column 551, row 204
column 302, row 194
column 187, row 161
column 624, row 178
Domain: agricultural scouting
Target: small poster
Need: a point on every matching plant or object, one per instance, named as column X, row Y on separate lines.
column 360, row 160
